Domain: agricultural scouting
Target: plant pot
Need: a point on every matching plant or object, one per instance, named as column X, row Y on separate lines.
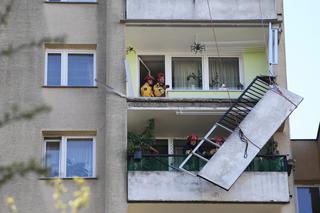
column 137, row 155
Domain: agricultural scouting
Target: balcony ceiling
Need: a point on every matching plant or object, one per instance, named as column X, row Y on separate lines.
column 179, row 39
column 173, row 123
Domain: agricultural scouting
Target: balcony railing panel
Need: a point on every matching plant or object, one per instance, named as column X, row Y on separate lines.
column 198, row 9
column 149, row 162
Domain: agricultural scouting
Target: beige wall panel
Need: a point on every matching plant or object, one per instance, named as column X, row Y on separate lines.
column 306, row 154
column 78, row 22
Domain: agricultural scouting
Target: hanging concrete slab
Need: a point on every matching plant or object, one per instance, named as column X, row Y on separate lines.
column 226, row 166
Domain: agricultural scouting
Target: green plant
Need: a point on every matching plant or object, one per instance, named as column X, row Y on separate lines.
column 271, row 148
column 143, row 141
column 195, row 77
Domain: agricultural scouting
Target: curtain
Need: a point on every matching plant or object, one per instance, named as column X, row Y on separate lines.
column 187, row 73
column 224, row 71
column 79, row 157
column 52, row 158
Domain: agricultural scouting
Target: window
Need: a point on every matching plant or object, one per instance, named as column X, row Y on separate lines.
column 186, row 73
column 155, row 63
column 224, row 72
column 308, row 199
column 70, row 156
column 70, row 68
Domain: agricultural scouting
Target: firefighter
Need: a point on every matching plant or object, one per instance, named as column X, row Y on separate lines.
column 160, row 88
column 146, row 89
column 218, row 140
column 192, row 142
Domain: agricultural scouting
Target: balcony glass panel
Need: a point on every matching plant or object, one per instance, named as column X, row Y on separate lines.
column 160, row 162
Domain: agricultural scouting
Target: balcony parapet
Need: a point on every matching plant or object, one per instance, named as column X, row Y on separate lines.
column 248, row 10
column 265, row 180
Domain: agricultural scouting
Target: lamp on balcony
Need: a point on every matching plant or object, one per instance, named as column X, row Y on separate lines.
column 198, row 47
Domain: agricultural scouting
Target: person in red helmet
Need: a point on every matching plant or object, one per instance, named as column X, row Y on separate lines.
column 218, row 140
column 192, row 142
column 160, row 88
column 146, row 89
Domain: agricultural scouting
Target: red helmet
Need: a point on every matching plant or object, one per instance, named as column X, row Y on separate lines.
column 148, row 77
column 192, row 137
column 160, row 75
column 219, row 140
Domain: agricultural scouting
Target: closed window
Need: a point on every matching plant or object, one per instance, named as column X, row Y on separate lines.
column 70, row 157
column 70, row 68
column 187, row 73
column 224, row 72
column 308, row 199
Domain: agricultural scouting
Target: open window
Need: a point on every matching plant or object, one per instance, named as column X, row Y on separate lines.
column 155, row 63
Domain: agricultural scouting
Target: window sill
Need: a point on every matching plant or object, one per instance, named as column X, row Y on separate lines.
column 68, row 2
column 66, row 178
column 70, row 87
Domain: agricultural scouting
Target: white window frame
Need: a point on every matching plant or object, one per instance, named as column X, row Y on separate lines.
column 188, row 56
column 241, row 70
column 64, row 65
column 63, row 154
column 205, row 69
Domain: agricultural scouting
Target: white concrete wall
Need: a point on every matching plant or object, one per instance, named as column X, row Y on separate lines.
column 198, row 9
column 177, row 186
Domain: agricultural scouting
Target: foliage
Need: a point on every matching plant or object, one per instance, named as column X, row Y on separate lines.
column 81, row 195
column 195, row 77
column 271, row 148
column 143, row 141
column 8, row 172
column 15, row 114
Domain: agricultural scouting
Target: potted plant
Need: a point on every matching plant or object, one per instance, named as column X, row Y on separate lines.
column 139, row 143
column 195, row 80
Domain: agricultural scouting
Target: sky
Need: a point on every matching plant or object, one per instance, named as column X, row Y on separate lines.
column 302, row 38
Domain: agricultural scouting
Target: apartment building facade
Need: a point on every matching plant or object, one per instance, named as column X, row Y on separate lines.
column 109, row 48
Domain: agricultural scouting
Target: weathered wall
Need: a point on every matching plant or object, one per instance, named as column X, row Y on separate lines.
column 21, row 81
column 198, row 10
column 178, row 186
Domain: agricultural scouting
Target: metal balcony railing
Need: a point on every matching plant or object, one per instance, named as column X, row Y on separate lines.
column 150, row 162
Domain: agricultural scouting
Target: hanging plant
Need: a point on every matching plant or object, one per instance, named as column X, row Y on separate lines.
column 141, row 142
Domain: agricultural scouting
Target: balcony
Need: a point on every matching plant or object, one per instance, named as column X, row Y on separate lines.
column 265, row 180
column 189, row 75
column 197, row 10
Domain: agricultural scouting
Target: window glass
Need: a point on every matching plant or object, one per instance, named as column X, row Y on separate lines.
column 308, row 199
column 54, row 69
column 79, row 157
column 186, row 73
column 161, row 145
column 224, row 72
column 80, row 69
column 52, row 158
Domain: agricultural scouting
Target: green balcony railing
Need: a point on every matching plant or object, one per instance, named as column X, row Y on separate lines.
column 148, row 162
